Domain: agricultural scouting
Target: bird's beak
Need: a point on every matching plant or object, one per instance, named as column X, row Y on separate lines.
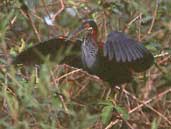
column 76, row 32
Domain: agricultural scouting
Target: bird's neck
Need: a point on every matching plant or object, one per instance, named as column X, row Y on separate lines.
column 94, row 35
column 89, row 51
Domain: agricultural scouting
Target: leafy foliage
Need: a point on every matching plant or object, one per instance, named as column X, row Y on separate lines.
column 51, row 96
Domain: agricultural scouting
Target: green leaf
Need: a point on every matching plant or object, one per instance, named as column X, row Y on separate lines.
column 122, row 111
column 152, row 46
column 107, row 114
column 154, row 124
column 106, row 103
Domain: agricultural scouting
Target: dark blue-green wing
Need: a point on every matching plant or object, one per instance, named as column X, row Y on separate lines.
column 122, row 49
column 50, row 49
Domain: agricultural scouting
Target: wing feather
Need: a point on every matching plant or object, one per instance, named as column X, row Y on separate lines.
column 51, row 48
column 123, row 49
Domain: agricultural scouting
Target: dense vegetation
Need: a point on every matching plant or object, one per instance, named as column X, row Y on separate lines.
column 54, row 96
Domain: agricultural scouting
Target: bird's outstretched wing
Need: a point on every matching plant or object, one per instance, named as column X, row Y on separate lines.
column 51, row 48
column 123, row 49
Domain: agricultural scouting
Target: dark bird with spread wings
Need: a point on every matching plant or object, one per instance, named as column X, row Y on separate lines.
column 114, row 62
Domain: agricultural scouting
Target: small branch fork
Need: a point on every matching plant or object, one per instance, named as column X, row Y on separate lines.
column 25, row 11
column 143, row 103
column 139, row 16
column 55, row 80
column 59, row 11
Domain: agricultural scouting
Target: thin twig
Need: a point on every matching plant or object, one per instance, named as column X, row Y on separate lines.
column 133, row 20
column 154, row 17
column 139, row 27
column 112, row 123
column 149, row 100
column 59, row 11
column 34, row 27
column 46, row 9
column 67, row 74
column 60, row 96
column 128, row 124
column 146, row 104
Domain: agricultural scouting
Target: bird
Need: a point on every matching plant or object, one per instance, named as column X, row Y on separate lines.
column 114, row 62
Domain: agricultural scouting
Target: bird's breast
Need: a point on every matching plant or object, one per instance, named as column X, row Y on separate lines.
column 89, row 57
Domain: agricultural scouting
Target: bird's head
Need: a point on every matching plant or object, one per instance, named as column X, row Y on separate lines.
column 88, row 26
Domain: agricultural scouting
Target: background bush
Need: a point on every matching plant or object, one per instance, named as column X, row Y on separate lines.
column 67, row 98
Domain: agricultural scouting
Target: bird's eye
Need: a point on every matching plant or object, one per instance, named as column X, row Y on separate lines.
column 87, row 25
